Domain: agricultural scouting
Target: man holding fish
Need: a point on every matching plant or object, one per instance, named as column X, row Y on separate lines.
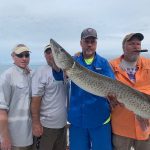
column 103, row 86
column 133, row 70
column 89, row 114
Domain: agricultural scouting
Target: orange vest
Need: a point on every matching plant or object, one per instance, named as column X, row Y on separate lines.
column 124, row 122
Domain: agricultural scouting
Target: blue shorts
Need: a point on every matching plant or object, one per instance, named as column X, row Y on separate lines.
column 98, row 138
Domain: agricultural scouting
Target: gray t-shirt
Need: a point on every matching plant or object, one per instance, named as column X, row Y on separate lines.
column 54, row 96
column 15, row 97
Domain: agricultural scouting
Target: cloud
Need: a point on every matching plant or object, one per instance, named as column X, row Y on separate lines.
column 35, row 22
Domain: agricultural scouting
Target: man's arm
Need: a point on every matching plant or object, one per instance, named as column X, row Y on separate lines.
column 5, row 100
column 5, row 142
column 35, row 112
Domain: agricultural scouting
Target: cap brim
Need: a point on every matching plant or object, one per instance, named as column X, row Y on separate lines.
column 20, row 51
column 138, row 35
column 89, row 36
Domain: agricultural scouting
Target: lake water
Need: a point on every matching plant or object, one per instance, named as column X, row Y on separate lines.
column 4, row 67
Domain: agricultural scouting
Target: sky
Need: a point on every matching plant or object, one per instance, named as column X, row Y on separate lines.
column 35, row 22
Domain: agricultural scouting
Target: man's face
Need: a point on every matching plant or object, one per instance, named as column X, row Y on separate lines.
column 129, row 49
column 49, row 57
column 22, row 59
column 88, row 46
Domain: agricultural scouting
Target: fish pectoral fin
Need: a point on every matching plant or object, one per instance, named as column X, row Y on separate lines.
column 144, row 123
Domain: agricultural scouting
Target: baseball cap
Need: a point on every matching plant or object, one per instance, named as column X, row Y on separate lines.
column 128, row 37
column 88, row 32
column 20, row 48
column 47, row 47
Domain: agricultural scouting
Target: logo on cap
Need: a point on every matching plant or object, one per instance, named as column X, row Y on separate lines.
column 89, row 32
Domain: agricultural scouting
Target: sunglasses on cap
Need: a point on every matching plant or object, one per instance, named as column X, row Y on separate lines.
column 23, row 55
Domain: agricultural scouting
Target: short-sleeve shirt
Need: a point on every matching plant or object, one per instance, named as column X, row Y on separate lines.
column 54, row 95
column 15, row 97
column 129, row 125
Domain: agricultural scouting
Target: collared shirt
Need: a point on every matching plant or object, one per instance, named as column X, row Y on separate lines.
column 129, row 125
column 15, row 96
column 54, row 96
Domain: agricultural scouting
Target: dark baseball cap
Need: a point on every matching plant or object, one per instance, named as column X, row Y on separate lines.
column 88, row 32
column 128, row 37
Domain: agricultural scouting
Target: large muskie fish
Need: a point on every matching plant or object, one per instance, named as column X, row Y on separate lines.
column 100, row 85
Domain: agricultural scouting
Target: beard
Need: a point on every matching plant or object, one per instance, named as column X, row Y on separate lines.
column 88, row 53
column 131, row 57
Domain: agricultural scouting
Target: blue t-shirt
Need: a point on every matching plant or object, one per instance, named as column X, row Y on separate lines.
column 58, row 75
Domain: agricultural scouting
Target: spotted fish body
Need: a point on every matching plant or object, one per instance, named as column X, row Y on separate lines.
column 100, row 85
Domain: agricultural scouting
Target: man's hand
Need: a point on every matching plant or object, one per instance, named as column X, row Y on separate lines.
column 77, row 54
column 113, row 101
column 144, row 123
column 5, row 143
column 37, row 129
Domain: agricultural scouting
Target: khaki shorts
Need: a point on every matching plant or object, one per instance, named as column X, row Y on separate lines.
column 52, row 139
column 124, row 143
column 22, row 148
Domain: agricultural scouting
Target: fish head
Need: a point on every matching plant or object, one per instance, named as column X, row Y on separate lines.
column 61, row 57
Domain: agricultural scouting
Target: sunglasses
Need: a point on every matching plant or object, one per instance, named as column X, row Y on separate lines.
column 23, row 55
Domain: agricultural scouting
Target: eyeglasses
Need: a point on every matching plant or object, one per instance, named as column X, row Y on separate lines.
column 23, row 55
